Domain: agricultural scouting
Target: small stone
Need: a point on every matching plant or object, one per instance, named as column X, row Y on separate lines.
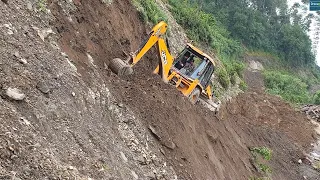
column 162, row 151
column 141, row 160
column 15, row 94
column 10, row 32
column 123, row 156
column 134, row 175
column 120, row 105
column 23, row 61
column 25, row 121
column 64, row 54
column 73, row 94
column 150, row 175
column 299, row 161
column 43, row 87
column 17, row 54
column 71, row 168
column 154, row 132
column 45, row 33
column 169, row 144
column 29, row 6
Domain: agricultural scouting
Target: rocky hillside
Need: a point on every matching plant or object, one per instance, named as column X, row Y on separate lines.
column 64, row 115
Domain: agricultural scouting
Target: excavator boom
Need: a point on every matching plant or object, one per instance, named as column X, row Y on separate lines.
column 121, row 67
column 192, row 83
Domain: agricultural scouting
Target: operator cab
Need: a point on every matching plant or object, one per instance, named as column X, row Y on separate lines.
column 193, row 65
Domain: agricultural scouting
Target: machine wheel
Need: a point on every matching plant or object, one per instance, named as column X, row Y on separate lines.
column 194, row 96
column 119, row 67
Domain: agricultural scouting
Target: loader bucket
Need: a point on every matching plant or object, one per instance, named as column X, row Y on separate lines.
column 119, row 67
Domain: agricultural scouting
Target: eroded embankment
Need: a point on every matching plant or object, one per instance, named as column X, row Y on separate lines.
column 78, row 120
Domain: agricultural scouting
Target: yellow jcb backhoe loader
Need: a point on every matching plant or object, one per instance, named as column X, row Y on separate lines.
column 190, row 72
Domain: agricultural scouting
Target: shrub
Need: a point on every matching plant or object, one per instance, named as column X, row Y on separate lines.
column 289, row 87
column 203, row 27
column 243, row 86
column 316, row 98
column 149, row 11
column 223, row 77
column 263, row 151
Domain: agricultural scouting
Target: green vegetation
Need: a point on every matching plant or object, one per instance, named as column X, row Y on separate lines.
column 149, row 11
column 223, row 77
column 265, row 25
column 265, row 28
column 42, row 5
column 266, row 154
column 243, row 86
column 259, row 178
column 289, row 87
column 316, row 98
column 265, row 168
column 204, row 28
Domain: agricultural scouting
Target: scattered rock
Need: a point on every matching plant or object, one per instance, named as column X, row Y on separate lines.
column 64, row 54
column 23, row 61
column 15, row 94
column 141, row 160
column 299, row 161
column 73, row 94
column 134, row 175
column 123, row 156
column 255, row 66
column 45, row 33
column 162, row 151
column 43, row 87
column 72, row 168
column 26, row 122
column 150, row 175
column 169, row 144
column 17, row 54
column 108, row 2
column 90, row 59
column 154, row 132
column 29, row 6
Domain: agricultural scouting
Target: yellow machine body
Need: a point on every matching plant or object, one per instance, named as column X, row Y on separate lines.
column 192, row 85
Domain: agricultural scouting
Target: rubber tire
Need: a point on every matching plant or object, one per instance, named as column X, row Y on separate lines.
column 119, row 67
column 194, row 96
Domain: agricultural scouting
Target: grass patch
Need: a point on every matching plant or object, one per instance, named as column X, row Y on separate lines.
column 42, row 5
column 289, row 87
column 149, row 11
column 262, row 154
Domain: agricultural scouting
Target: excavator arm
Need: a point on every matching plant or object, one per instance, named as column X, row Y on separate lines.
column 155, row 37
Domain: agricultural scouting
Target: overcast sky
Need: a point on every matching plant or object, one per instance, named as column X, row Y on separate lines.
column 290, row 3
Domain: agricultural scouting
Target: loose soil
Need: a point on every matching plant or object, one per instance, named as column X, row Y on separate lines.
column 80, row 127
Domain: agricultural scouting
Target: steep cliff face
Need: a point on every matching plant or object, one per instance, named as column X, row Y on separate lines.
column 64, row 115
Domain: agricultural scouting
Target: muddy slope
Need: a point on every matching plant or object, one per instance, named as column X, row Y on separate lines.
column 195, row 142
column 68, row 125
column 79, row 120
